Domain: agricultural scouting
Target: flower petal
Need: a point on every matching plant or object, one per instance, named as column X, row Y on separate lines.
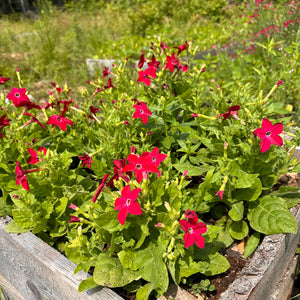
column 265, row 144
column 276, row 140
column 277, row 128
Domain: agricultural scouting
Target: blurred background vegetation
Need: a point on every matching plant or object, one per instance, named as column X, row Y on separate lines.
column 50, row 40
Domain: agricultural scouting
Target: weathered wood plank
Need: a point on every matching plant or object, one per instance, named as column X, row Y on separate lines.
column 260, row 278
column 31, row 268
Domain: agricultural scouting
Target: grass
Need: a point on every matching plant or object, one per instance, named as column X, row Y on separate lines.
column 54, row 46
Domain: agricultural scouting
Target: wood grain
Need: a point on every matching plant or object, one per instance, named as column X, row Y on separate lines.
column 32, row 270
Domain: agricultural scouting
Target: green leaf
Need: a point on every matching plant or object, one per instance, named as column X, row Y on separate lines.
column 152, row 267
column 271, row 215
column 192, row 170
column 110, row 272
column 168, row 141
column 236, row 212
column 109, row 221
column 128, row 259
column 87, row 284
column 144, row 292
column 12, row 227
column 238, row 230
column 249, row 194
column 252, row 244
column 245, row 180
column 187, row 267
column 217, row 264
column 23, row 218
column 60, row 206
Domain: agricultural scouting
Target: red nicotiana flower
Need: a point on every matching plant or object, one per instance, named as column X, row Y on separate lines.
column 86, row 160
column 119, row 164
column 33, row 119
column 141, row 111
column 142, row 60
column 34, row 157
column 4, row 122
column 21, row 175
column 182, row 47
column 109, row 84
column 73, row 206
column 105, row 72
column 280, row 82
column 193, row 231
column 126, row 204
column 3, row 79
column 100, row 188
column 153, row 64
column 93, row 111
column 156, row 157
column 232, row 111
column 191, row 216
column 18, row 97
column 172, row 62
column 144, row 76
column 74, row 219
column 163, row 47
column 140, row 165
column 183, row 68
column 59, row 121
column 220, row 194
column 269, row 134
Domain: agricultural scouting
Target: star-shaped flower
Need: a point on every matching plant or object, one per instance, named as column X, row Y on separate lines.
column 269, row 134
column 126, row 204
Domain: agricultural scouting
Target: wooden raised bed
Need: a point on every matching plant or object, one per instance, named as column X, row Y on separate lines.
column 30, row 269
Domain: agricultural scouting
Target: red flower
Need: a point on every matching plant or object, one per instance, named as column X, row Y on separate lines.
column 3, row 79
column 163, row 46
column 105, row 72
column 142, row 112
column 73, row 219
column 193, row 231
column 144, row 77
column 18, row 97
column 126, row 204
column 172, row 62
column 153, row 63
column 4, row 122
column 269, row 135
column 142, row 60
column 59, row 121
column 33, row 119
column 33, row 159
column 109, row 85
column 156, row 157
column 191, row 216
column 86, row 160
column 183, row 68
column 100, row 188
column 140, row 165
column 73, row 206
column 232, row 111
column 280, row 82
column 182, row 47
column 119, row 164
column 93, row 111
column 21, row 175
column 220, row 193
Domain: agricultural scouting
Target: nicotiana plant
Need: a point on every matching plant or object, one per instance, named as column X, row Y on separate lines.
column 147, row 174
